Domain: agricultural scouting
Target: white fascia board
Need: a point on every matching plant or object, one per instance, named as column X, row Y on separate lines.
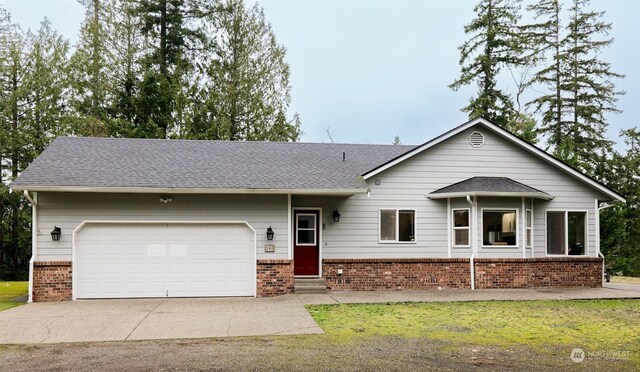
column 508, row 136
column 153, row 190
column 537, row 195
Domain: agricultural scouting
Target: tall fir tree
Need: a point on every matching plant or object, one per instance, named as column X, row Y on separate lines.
column 544, row 48
column 494, row 44
column 248, row 97
column 91, row 65
column 591, row 92
column 170, row 38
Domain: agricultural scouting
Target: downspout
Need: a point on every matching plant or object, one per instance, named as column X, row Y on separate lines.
column 473, row 244
column 34, row 237
column 598, row 235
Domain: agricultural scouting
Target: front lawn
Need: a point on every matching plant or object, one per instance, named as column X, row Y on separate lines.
column 10, row 290
column 625, row 279
column 605, row 329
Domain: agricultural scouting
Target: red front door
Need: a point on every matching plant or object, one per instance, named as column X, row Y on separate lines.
column 306, row 245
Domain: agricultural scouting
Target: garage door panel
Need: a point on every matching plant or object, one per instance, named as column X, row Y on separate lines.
column 158, row 260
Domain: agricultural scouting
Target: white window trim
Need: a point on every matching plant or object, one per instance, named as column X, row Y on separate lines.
column 415, row 225
column 314, row 229
column 454, row 228
column 528, row 242
column 491, row 209
column 566, row 232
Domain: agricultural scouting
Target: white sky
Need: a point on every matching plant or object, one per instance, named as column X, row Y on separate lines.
column 368, row 70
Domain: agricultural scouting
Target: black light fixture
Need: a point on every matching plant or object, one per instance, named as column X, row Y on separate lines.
column 336, row 216
column 55, row 234
column 269, row 233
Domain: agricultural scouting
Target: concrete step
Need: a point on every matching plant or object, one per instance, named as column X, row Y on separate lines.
column 310, row 290
column 310, row 285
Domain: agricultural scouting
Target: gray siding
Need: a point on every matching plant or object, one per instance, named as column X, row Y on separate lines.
column 68, row 210
column 408, row 184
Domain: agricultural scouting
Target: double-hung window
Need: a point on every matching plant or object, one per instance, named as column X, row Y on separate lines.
column 461, row 227
column 397, row 225
column 566, row 233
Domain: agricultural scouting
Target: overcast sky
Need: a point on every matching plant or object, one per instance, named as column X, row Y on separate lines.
column 368, row 70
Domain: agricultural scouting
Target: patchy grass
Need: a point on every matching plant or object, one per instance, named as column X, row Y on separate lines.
column 625, row 280
column 545, row 326
column 10, row 290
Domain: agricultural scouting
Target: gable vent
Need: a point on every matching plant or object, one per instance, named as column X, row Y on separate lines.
column 476, row 139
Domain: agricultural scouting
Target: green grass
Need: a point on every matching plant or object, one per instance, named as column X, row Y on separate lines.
column 9, row 290
column 605, row 325
column 625, row 279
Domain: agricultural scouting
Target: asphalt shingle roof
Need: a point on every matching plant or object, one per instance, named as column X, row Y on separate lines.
column 487, row 184
column 146, row 163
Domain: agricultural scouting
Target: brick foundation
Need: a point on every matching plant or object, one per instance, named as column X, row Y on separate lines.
column 274, row 277
column 51, row 281
column 538, row 272
column 396, row 274
column 407, row 274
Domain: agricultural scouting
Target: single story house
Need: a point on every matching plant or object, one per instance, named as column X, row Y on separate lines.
column 475, row 207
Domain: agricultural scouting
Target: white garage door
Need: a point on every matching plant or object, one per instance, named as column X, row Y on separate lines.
column 164, row 260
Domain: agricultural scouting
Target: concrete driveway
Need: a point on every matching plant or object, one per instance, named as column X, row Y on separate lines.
column 143, row 319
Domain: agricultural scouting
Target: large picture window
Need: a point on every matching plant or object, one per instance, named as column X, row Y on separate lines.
column 566, row 233
column 397, row 225
column 461, row 227
column 499, row 228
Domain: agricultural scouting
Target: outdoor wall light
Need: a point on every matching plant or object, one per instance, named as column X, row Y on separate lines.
column 55, row 234
column 165, row 199
column 269, row 233
column 336, row 216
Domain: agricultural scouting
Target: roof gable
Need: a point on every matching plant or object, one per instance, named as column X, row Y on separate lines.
column 510, row 137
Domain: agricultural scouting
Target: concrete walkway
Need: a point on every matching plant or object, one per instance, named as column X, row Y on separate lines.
column 145, row 319
column 609, row 291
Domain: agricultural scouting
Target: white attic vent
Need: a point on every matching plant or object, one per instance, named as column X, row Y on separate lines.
column 476, row 139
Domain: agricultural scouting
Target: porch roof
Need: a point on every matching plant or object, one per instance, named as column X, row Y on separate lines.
column 489, row 186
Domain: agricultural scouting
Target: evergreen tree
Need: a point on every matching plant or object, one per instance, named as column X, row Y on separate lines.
column 494, row 44
column 620, row 224
column 544, row 47
column 92, row 79
column 249, row 91
column 46, row 86
column 14, row 104
column 167, row 63
column 591, row 92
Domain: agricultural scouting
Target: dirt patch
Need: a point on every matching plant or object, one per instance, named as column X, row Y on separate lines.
column 316, row 353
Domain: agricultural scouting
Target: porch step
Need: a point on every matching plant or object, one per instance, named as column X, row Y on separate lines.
column 310, row 285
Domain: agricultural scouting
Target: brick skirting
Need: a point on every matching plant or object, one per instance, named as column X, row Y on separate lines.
column 406, row 274
column 396, row 274
column 539, row 272
column 274, row 277
column 51, row 281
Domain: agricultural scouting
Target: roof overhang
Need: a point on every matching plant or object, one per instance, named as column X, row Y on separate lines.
column 535, row 195
column 157, row 190
column 508, row 136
